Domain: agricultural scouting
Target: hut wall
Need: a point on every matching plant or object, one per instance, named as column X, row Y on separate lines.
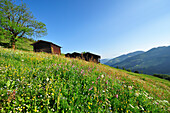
column 42, row 47
column 55, row 49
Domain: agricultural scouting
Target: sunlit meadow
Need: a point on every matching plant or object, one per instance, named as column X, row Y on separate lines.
column 41, row 82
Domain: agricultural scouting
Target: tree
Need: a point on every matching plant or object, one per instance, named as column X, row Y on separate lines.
column 16, row 22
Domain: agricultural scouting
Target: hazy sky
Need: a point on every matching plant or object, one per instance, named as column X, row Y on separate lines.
column 105, row 27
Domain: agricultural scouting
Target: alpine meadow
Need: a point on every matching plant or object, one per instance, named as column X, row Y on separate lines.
column 41, row 82
column 63, row 71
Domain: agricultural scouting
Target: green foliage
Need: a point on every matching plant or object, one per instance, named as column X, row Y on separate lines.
column 41, row 82
column 129, row 70
column 163, row 76
column 22, row 44
column 16, row 22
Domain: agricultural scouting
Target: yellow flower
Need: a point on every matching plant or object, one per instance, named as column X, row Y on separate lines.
column 20, row 109
column 23, row 107
column 35, row 109
column 89, row 107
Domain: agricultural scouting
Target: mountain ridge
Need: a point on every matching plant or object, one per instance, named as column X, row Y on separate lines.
column 122, row 57
column 155, row 60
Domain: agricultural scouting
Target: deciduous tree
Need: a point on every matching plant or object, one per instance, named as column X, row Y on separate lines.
column 16, row 22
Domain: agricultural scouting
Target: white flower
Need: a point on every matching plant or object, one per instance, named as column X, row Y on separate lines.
column 137, row 94
column 130, row 87
column 22, row 60
column 102, row 76
column 141, row 107
column 47, row 79
column 150, row 97
column 131, row 106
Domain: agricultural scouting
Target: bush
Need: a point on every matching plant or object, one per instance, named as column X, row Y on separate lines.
column 136, row 72
column 163, row 76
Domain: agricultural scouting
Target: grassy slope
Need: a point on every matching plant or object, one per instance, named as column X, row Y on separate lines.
column 43, row 82
column 23, row 44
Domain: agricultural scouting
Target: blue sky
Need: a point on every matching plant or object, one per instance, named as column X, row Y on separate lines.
column 105, row 27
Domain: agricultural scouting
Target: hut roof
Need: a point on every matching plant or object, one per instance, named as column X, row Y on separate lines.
column 92, row 54
column 46, row 42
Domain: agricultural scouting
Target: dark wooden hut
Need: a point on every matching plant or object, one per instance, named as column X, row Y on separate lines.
column 85, row 56
column 91, row 57
column 76, row 55
column 73, row 55
column 48, row 47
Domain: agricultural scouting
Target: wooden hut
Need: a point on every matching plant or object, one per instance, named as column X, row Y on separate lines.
column 91, row 57
column 48, row 47
column 85, row 56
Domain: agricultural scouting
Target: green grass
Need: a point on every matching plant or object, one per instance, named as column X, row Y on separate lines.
column 40, row 82
column 22, row 44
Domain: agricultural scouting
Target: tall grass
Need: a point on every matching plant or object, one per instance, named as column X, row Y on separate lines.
column 40, row 82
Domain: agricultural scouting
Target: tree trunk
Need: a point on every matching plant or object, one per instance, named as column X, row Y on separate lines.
column 13, row 43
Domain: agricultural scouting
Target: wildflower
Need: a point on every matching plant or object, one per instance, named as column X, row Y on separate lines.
column 141, row 107
column 130, row 87
column 20, row 109
column 82, row 71
column 98, row 78
column 150, row 97
column 89, row 107
column 91, row 88
column 92, row 82
column 35, row 109
column 102, row 76
column 116, row 95
column 137, row 94
column 131, row 106
column 47, row 79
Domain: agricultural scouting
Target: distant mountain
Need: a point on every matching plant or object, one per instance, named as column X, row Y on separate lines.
column 104, row 60
column 156, row 60
column 122, row 58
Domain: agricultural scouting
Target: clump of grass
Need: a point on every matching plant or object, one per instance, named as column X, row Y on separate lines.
column 40, row 82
